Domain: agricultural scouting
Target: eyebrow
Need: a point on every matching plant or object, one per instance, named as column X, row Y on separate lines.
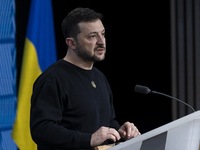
column 97, row 32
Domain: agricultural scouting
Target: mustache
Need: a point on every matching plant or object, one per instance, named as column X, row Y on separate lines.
column 101, row 46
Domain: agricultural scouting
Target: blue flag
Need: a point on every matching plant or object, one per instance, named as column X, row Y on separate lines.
column 39, row 53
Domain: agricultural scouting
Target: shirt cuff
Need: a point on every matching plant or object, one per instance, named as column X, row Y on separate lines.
column 84, row 141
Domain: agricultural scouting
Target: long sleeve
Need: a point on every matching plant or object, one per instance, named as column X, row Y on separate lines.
column 66, row 108
column 113, row 122
column 46, row 116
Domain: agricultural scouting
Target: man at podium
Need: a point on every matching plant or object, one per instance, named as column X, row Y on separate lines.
column 72, row 104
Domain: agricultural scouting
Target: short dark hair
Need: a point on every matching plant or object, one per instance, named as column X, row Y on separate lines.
column 70, row 23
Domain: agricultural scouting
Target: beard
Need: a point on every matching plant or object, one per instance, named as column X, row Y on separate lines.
column 85, row 55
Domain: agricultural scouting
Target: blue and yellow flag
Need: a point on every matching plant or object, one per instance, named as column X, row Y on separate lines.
column 39, row 53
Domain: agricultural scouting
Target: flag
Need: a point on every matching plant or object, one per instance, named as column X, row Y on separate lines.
column 39, row 53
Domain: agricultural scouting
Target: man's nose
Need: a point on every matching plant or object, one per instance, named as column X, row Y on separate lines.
column 101, row 40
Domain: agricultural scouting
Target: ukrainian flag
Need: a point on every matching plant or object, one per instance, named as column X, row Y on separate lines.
column 39, row 53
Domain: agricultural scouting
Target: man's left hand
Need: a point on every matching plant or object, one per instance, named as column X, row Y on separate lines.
column 128, row 130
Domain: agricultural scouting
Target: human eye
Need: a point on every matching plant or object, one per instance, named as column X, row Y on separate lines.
column 92, row 36
column 103, row 34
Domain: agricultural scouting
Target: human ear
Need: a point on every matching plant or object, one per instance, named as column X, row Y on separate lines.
column 71, row 43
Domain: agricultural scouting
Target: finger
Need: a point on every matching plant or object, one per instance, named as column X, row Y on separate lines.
column 135, row 131
column 122, row 132
column 114, row 133
column 130, row 129
column 111, row 137
column 138, row 133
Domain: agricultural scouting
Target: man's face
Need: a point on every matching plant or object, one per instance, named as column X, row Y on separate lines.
column 91, row 44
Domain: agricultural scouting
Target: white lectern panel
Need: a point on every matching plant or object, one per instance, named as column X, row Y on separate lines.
column 181, row 134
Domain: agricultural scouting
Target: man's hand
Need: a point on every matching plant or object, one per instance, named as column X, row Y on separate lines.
column 102, row 134
column 128, row 130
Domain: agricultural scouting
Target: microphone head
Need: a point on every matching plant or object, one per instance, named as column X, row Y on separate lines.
column 142, row 89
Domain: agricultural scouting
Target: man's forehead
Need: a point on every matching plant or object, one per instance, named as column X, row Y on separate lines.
column 92, row 26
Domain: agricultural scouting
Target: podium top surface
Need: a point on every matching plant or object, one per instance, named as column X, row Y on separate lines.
column 181, row 121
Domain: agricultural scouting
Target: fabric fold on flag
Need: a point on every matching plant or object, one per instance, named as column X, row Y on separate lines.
column 39, row 53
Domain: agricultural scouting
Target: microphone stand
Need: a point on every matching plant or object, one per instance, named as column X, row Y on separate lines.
column 173, row 98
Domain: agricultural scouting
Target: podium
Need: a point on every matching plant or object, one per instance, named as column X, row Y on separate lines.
column 181, row 134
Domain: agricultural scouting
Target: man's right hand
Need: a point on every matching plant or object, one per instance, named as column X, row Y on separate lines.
column 103, row 134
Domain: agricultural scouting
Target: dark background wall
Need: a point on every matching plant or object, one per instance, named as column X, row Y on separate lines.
column 185, row 52
column 138, row 52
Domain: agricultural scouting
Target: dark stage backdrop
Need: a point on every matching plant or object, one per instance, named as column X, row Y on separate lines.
column 138, row 52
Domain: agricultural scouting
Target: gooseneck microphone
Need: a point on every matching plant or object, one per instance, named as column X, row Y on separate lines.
column 146, row 90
